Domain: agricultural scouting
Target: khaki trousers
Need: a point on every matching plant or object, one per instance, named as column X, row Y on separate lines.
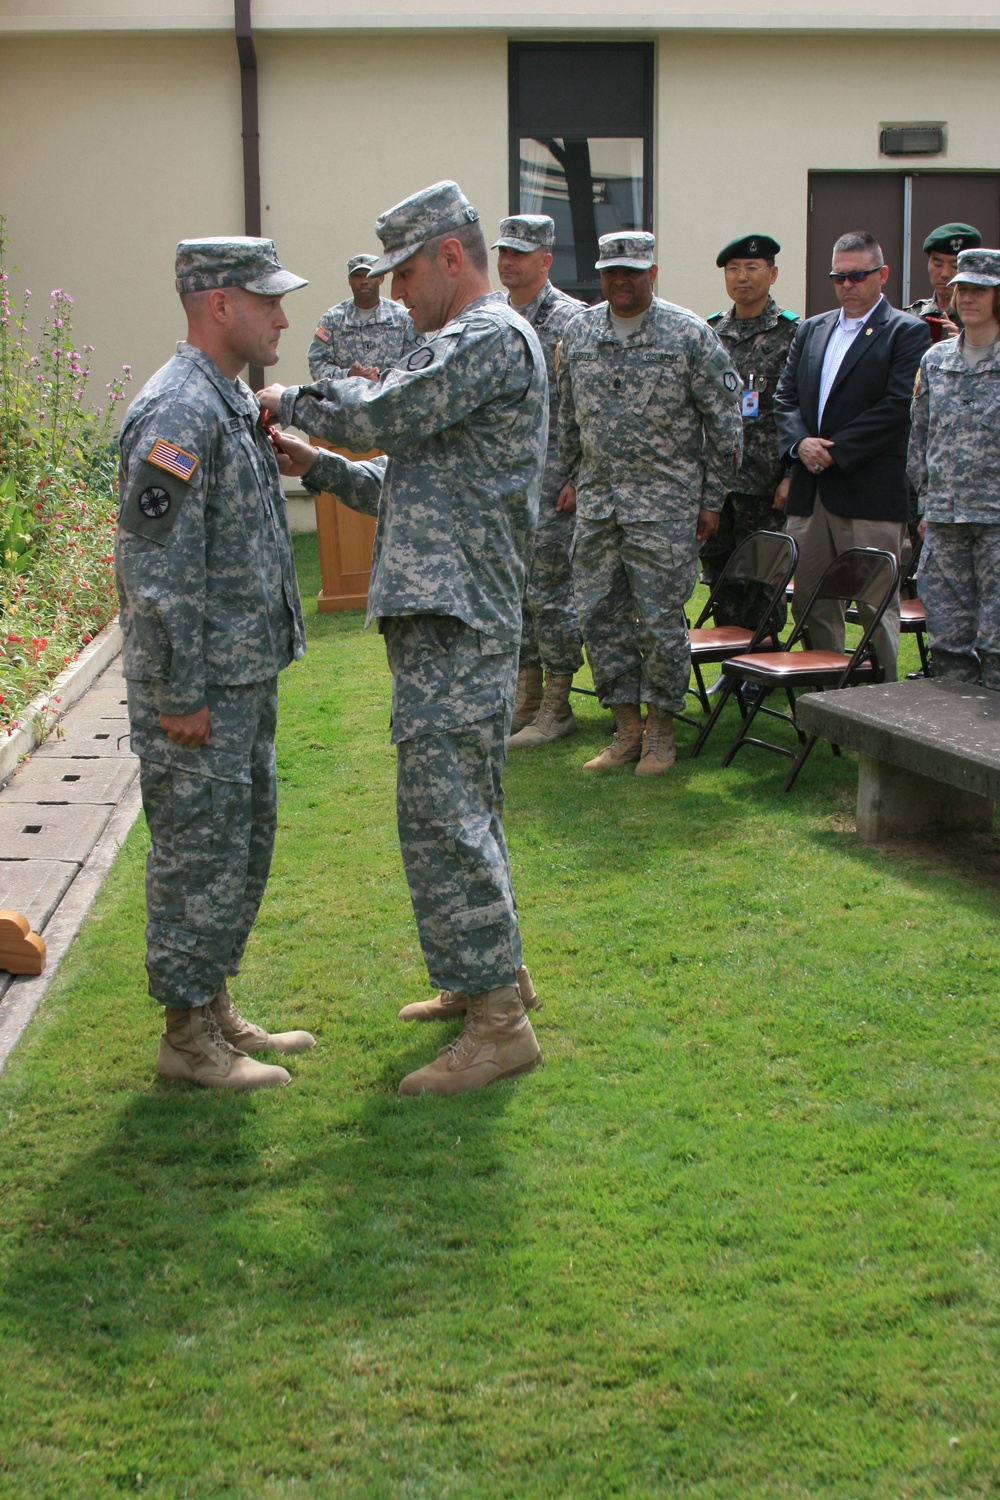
column 820, row 538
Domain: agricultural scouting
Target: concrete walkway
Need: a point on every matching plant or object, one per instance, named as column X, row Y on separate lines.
column 64, row 814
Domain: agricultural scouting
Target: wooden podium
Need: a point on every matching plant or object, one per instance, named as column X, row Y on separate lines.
column 345, row 546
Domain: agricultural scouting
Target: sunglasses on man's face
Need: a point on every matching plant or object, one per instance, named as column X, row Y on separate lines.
column 854, row 277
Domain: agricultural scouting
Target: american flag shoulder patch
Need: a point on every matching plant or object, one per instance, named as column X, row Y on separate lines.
column 165, row 456
column 323, row 333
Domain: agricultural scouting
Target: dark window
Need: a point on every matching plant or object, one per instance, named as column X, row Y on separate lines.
column 581, row 146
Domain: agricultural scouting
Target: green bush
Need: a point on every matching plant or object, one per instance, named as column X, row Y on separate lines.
column 58, row 463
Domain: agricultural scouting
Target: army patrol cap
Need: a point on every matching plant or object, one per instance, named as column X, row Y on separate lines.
column 977, row 268
column 203, row 265
column 750, row 247
column 406, row 228
column 360, row 263
column 949, row 239
column 634, row 251
column 526, row 232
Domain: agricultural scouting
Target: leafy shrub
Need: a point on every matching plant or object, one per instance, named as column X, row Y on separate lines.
column 58, row 463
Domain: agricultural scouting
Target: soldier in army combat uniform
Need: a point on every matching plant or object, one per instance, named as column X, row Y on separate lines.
column 550, row 637
column 463, row 421
column 954, row 465
column 365, row 333
column 756, row 333
column 650, row 432
column 210, row 615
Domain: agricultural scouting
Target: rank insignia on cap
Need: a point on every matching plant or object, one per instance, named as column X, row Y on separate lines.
column 154, row 502
column 324, row 334
column 165, row 456
column 956, row 243
column 752, row 246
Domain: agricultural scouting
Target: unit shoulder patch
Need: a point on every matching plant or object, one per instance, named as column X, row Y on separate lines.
column 420, row 358
column 792, row 317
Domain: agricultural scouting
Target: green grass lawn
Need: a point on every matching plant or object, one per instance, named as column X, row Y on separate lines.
column 738, row 1238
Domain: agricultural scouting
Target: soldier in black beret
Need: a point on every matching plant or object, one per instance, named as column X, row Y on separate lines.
column 756, row 333
column 942, row 248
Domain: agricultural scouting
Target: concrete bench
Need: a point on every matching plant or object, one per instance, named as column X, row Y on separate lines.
column 929, row 753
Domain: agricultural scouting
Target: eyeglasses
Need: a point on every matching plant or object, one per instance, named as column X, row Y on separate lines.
column 854, row 277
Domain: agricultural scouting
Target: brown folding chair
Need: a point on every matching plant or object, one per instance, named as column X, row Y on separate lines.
column 766, row 557
column 864, row 575
column 912, row 619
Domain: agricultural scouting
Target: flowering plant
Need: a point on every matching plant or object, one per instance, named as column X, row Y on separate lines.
column 58, row 464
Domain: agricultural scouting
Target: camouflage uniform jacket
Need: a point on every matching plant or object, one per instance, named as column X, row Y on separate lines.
column 342, row 338
column 203, row 557
column 548, row 314
column 758, row 347
column 464, row 422
column 927, row 307
column 651, row 425
column 954, row 454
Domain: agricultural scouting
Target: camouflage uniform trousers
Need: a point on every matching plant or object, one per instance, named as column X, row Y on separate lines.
column 959, row 585
column 212, row 816
column 631, row 584
column 550, row 631
column 741, row 603
column 452, row 694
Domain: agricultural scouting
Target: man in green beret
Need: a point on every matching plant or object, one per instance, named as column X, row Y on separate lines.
column 942, row 247
column 756, row 333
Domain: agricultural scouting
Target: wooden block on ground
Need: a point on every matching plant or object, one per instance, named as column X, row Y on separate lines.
column 21, row 950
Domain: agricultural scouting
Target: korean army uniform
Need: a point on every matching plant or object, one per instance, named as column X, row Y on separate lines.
column 758, row 348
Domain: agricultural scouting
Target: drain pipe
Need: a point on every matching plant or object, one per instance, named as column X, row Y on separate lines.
column 251, row 137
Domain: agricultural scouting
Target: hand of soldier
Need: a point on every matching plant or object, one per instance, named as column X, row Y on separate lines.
column 567, row 499
column 781, row 494
column 294, row 457
column 815, row 453
column 367, row 372
column 922, row 528
column 949, row 330
column 270, row 396
column 708, row 525
column 190, row 730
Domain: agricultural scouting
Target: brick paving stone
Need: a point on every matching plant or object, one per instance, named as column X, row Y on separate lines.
column 61, row 833
column 34, row 887
column 84, row 781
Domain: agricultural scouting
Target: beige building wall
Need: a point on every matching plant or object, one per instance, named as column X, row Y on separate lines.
column 116, row 146
column 741, row 123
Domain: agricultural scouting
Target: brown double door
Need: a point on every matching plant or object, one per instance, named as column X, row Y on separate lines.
column 900, row 209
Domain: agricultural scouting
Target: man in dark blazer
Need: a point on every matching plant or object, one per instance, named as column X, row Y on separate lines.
column 843, row 414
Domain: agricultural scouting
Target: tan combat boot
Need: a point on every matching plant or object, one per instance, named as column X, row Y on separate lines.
column 447, row 1004
column 246, row 1037
column 658, row 749
column 194, row 1049
column 527, row 697
column 497, row 1042
column 554, row 720
column 627, row 743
